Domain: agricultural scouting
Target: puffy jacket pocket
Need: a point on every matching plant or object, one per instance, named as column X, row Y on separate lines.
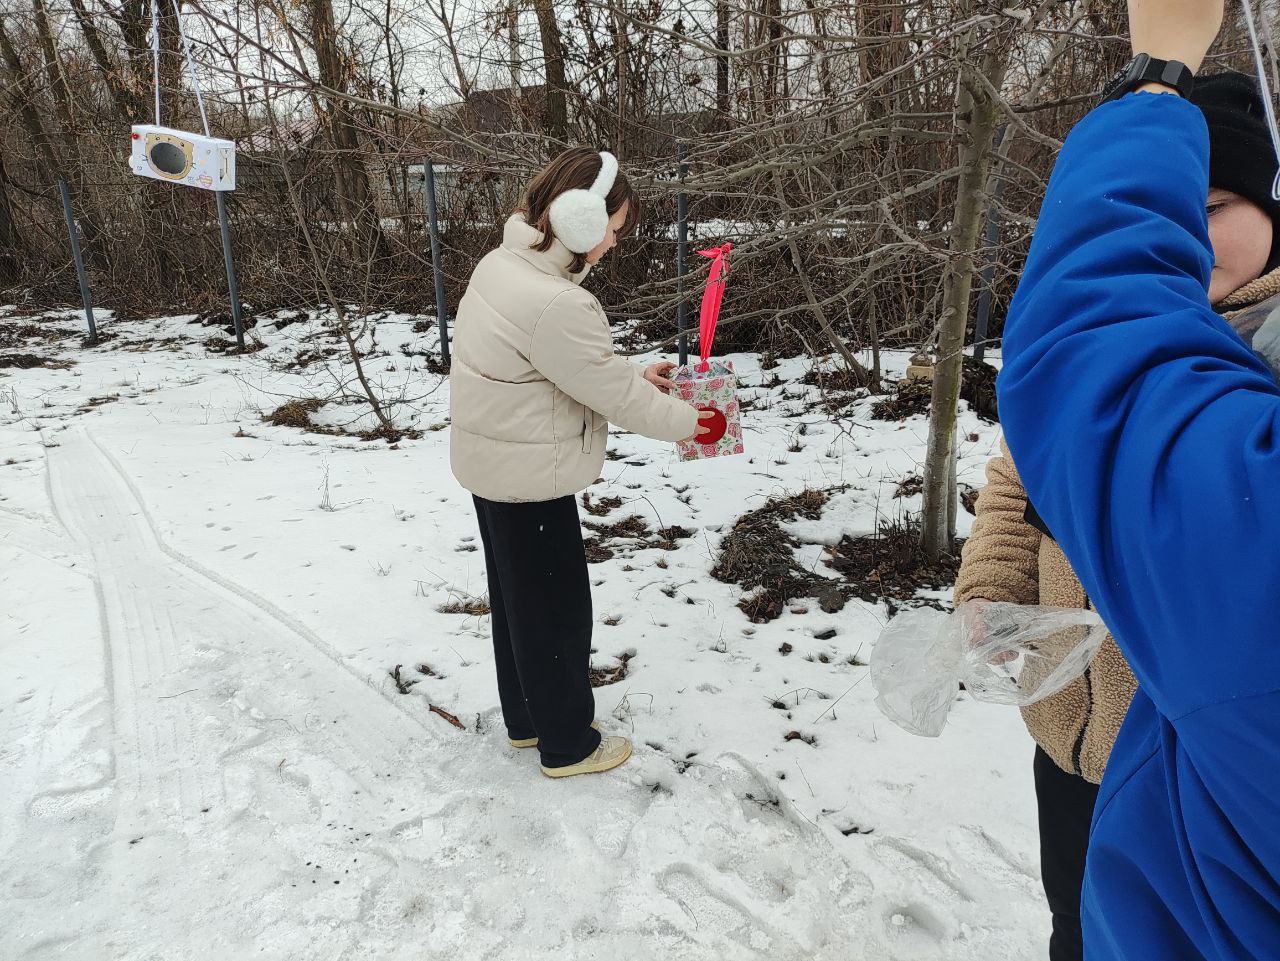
column 588, row 429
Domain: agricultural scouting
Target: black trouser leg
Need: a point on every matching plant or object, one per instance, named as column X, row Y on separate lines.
column 515, row 712
column 540, row 570
column 1065, row 803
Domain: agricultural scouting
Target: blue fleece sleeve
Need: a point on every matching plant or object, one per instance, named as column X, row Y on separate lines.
column 1144, row 429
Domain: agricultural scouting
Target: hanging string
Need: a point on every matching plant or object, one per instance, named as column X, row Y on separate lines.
column 1266, row 88
column 186, row 49
column 155, row 52
column 191, row 68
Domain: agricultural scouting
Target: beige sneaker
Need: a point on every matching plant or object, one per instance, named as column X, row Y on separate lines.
column 533, row 741
column 611, row 752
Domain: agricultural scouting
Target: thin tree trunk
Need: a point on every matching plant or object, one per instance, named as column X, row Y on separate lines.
column 623, row 53
column 977, row 115
column 513, row 43
column 12, row 247
column 352, row 180
column 722, row 60
column 59, row 89
column 874, row 331
column 553, row 61
column 820, row 49
column 128, row 106
column 773, row 54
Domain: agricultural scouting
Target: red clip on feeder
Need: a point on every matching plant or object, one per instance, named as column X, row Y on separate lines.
column 711, row 385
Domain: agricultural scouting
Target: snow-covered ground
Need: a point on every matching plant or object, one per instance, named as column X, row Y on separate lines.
column 204, row 754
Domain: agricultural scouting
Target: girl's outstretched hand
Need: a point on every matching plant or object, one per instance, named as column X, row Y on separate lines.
column 656, row 374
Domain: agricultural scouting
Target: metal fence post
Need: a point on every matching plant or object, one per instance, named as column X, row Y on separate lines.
column 682, row 257
column 86, row 295
column 436, row 267
column 225, row 226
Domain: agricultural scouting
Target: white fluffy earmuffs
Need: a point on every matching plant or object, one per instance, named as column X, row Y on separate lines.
column 579, row 218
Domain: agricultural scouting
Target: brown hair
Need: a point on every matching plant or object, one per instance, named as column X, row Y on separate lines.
column 575, row 169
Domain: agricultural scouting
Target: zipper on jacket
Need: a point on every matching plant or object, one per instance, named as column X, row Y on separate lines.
column 1088, row 712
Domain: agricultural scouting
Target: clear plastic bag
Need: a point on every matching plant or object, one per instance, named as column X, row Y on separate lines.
column 1002, row 653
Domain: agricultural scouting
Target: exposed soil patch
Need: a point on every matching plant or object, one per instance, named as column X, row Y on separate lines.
column 297, row 413
column 604, row 676
column 221, row 345
column 31, row 361
column 224, row 320
column 910, row 486
column 979, row 388
column 907, row 398
column 889, row 566
column 431, row 359
column 602, row 545
column 602, row 507
column 22, row 334
column 759, row 556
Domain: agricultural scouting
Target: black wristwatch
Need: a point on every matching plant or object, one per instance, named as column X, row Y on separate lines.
column 1144, row 69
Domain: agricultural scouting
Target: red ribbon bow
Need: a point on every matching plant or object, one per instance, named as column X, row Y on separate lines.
column 712, row 297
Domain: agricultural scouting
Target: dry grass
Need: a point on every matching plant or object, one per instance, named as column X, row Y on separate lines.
column 604, row 676
column 31, row 361
column 909, row 486
column 463, row 604
column 839, row 379
column 908, row 398
column 296, row 413
column 20, row 334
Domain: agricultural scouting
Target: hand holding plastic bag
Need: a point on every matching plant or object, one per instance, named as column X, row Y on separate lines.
column 1003, row 653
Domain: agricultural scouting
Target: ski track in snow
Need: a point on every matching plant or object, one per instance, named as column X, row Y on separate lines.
column 232, row 787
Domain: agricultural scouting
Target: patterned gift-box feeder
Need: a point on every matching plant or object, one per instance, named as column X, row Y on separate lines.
column 715, row 390
column 712, row 385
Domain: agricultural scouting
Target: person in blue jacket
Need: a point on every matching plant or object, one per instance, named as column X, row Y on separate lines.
column 1147, row 434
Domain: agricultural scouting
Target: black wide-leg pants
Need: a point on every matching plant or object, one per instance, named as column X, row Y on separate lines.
column 540, row 597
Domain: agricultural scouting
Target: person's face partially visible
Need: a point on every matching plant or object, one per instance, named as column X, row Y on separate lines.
column 610, row 236
column 1240, row 234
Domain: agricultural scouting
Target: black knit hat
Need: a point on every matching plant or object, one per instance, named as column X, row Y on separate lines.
column 1241, row 157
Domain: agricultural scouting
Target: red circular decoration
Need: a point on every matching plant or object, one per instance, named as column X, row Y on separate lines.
column 716, row 426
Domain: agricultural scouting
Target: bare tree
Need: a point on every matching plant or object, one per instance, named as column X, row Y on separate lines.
column 554, row 69
column 976, row 115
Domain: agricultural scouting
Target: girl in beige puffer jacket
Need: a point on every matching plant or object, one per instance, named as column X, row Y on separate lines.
column 534, row 386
